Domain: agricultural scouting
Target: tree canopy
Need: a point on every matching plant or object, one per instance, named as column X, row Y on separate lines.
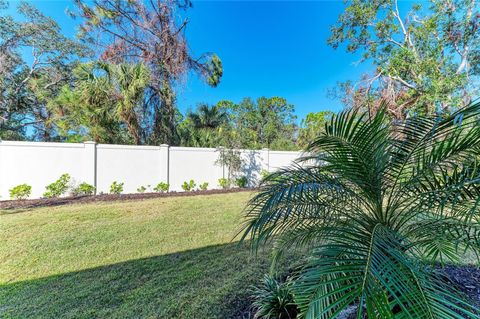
column 116, row 81
column 426, row 59
column 133, row 31
column 26, row 87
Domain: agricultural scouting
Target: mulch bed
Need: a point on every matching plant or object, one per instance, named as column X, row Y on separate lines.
column 466, row 279
column 48, row 202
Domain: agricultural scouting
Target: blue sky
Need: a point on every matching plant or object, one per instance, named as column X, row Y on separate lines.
column 269, row 48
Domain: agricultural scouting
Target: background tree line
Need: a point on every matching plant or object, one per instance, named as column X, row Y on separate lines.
column 426, row 59
column 115, row 81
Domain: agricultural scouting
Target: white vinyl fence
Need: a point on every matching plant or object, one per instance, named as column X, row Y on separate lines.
column 39, row 164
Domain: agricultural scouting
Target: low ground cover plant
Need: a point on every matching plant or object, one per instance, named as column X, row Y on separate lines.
column 83, row 189
column 189, row 186
column 58, row 188
column 203, row 186
column 241, row 182
column 22, row 191
column 386, row 198
column 162, row 187
column 116, row 188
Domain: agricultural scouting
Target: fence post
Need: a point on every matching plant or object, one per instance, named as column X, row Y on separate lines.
column 165, row 163
column 266, row 157
column 90, row 168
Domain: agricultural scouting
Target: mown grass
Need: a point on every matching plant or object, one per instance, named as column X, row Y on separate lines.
column 158, row 258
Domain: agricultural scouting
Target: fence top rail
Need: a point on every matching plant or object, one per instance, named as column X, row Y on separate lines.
column 128, row 147
column 286, row 152
column 41, row 144
column 138, row 147
column 194, row 149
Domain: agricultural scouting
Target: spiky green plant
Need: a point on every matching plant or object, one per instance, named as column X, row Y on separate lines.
column 273, row 299
column 376, row 200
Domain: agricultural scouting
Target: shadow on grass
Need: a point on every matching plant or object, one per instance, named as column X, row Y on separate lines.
column 210, row 282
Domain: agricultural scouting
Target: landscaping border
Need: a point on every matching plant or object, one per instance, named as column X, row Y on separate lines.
column 49, row 202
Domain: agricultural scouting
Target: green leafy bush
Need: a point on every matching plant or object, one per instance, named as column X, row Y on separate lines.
column 273, row 299
column 204, row 186
column 141, row 189
column 83, row 189
column 188, row 186
column 22, row 191
column 223, row 182
column 241, row 182
column 116, row 188
column 385, row 198
column 162, row 187
column 58, row 188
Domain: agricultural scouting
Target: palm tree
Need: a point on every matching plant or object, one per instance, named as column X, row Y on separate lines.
column 129, row 82
column 375, row 200
column 208, row 117
column 204, row 128
column 106, row 98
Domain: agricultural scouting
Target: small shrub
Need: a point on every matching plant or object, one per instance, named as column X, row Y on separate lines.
column 141, row 189
column 22, row 191
column 241, row 182
column 83, row 189
column 58, row 188
column 204, row 186
column 273, row 299
column 188, row 186
column 223, row 182
column 162, row 187
column 116, row 188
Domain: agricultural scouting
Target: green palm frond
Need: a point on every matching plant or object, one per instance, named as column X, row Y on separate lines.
column 374, row 200
column 368, row 269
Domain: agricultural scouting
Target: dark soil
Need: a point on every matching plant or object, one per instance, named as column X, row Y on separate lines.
column 466, row 279
column 48, row 202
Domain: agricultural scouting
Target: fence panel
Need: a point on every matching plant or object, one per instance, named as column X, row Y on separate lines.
column 134, row 166
column 39, row 164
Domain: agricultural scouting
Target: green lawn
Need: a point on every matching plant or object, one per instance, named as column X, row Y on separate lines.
column 158, row 258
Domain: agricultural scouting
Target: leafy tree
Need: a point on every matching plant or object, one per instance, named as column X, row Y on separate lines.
column 27, row 86
column 425, row 60
column 385, row 198
column 231, row 159
column 312, row 126
column 266, row 122
column 133, row 31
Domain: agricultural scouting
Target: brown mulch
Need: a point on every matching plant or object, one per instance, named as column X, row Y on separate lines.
column 466, row 279
column 48, row 202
